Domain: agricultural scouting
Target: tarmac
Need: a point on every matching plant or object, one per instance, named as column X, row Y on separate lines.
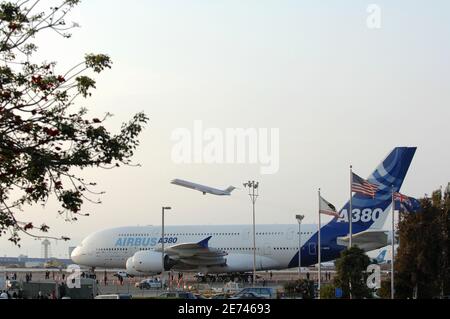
column 107, row 283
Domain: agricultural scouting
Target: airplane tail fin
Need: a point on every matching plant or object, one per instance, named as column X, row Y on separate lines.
column 371, row 212
column 380, row 258
column 230, row 189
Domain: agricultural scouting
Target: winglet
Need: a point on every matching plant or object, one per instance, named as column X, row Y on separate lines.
column 204, row 242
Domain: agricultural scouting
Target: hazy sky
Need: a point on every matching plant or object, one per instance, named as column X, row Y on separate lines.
column 338, row 92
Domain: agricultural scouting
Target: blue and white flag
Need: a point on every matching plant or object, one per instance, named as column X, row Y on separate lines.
column 411, row 205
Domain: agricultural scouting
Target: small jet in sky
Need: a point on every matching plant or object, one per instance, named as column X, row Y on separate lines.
column 204, row 189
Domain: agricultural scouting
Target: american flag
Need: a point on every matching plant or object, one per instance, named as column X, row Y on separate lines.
column 401, row 198
column 361, row 186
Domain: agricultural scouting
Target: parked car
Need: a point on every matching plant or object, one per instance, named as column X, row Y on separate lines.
column 266, row 292
column 248, row 295
column 149, row 284
column 178, row 295
column 221, row 296
column 122, row 274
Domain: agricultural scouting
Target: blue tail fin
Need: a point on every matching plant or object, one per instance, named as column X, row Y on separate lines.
column 371, row 212
column 380, row 258
column 368, row 212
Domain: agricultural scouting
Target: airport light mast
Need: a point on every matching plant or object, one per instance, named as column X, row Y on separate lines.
column 162, row 245
column 253, row 192
column 299, row 220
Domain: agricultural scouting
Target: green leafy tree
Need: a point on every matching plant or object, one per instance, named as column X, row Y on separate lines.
column 445, row 287
column 43, row 137
column 351, row 274
column 422, row 265
column 328, row 292
column 385, row 290
column 301, row 287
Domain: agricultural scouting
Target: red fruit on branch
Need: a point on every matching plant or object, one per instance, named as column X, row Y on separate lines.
column 51, row 132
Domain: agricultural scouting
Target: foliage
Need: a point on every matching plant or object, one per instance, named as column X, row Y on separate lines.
column 328, row 292
column 302, row 287
column 42, row 137
column 422, row 261
column 385, row 290
column 351, row 274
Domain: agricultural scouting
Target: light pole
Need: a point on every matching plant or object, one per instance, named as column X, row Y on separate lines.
column 162, row 245
column 253, row 192
column 299, row 219
column 393, row 246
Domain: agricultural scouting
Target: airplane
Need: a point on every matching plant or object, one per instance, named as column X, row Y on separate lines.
column 204, row 189
column 229, row 248
column 385, row 255
column 381, row 258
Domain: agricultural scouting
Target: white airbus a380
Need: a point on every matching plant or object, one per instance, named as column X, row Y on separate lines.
column 219, row 249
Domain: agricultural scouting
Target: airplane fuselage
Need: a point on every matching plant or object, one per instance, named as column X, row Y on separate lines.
column 276, row 245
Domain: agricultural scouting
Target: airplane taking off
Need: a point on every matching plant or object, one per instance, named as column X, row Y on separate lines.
column 204, row 189
column 220, row 249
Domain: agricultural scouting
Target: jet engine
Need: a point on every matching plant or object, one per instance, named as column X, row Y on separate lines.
column 130, row 268
column 147, row 262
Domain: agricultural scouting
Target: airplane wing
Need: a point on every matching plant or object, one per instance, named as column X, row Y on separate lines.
column 367, row 240
column 196, row 254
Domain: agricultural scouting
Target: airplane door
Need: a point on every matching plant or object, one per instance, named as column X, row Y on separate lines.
column 267, row 249
column 312, row 249
column 245, row 235
column 290, row 234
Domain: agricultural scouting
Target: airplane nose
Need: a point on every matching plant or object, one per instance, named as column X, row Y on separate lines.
column 76, row 254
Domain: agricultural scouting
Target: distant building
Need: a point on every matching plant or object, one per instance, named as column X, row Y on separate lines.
column 46, row 249
column 29, row 262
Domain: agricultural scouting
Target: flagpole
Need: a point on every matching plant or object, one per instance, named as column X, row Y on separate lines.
column 393, row 246
column 320, row 251
column 350, row 214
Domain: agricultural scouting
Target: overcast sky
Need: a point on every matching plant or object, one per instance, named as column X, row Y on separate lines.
column 338, row 91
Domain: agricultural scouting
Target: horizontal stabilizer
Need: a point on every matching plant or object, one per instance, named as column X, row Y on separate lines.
column 367, row 240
